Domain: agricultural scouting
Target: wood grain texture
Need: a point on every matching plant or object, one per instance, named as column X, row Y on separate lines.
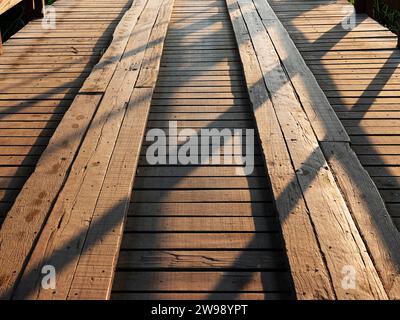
column 367, row 208
column 57, row 169
column 312, row 172
column 323, row 119
column 359, row 81
column 309, row 283
column 6, row 5
column 45, row 68
column 105, row 164
column 355, row 72
column 188, row 221
column 31, row 208
column 115, row 226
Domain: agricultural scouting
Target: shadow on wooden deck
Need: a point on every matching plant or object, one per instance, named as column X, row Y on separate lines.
column 33, row 276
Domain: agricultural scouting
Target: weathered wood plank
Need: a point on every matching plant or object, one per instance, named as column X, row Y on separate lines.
column 55, row 69
column 51, row 171
column 312, row 172
column 212, row 224
column 299, row 243
column 198, row 241
column 102, row 73
column 324, row 121
column 36, row 198
column 119, row 178
column 194, row 281
column 95, row 172
column 361, row 82
column 197, row 259
column 7, row 5
column 367, row 208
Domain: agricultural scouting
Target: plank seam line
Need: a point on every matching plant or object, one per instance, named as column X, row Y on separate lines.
column 244, row 40
column 323, row 256
column 356, row 222
column 308, row 70
column 348, row 219
column 8, row 292
column 390, row 287
column 340, row 187
column 109, row 163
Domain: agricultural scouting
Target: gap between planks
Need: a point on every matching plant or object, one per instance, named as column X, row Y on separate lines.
column 45, row 195
column 268, row 56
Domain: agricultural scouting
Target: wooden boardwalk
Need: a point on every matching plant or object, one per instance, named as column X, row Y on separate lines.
column 358, row 69
column 40, row 73
column 201, row 231
column 116, row 226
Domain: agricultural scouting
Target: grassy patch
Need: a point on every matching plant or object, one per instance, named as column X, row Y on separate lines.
column 387, row 16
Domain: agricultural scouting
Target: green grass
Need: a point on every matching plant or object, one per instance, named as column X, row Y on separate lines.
column 385, row 15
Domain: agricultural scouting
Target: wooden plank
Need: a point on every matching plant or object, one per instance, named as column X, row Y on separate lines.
column 98, row 167
column 308, row 162
column 198, row 259
column 366, row 205
column 377, row 85
column 21, row 63
column 38, row 194
column 200, row 182
column 324, row 121
column 113, row 199
column 227, row 195
column 195, row 281
column 197, row 171
column 6, row 5
column 212, row 224
column 358, row 79
column 200, row 241
column 102, row 73
column 202, row 209
column 35, row 199
column 299, row 243
column 119, row 178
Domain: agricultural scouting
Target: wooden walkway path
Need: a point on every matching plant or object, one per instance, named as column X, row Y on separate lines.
column 358, row 70
column 115, row 226
column 201, row 231
column 40, row 73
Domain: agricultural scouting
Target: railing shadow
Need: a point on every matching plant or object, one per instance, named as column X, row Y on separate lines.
column 364, row 100
column 239, row 259
column 12, row 188
column 244, row 254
